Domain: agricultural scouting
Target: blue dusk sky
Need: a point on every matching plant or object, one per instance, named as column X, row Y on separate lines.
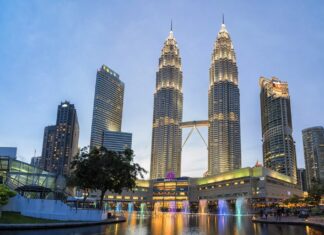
column 50, row 52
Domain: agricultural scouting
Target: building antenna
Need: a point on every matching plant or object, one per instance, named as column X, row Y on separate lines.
column 223, row 19
column 171, row 24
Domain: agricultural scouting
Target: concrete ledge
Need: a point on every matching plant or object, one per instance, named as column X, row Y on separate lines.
column 64, row 224
column 290, row 221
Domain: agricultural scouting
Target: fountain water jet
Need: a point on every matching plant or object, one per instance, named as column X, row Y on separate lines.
column 203, row 206
column 130, row 207
column 172, row 206
column 143, row 208
column 185, row 207
column 118, row 207
column 241, row 206
column 157, row 208
column 223, row 207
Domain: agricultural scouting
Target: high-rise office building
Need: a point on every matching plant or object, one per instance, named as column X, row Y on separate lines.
column 108, row 105
column 279, row 152
column 224, row 135
column 67, row 138
column 48, row 147
column 301, row 179
column 117, row 141
column 37, row 162
column 313, row 140
column 167, row 114
column 61, row 141
column 8, row 152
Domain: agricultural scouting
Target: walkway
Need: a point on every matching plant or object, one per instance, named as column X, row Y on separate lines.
column 312, row 221
column 64, row 224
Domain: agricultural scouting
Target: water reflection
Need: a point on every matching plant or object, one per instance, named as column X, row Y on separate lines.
column 179, row 223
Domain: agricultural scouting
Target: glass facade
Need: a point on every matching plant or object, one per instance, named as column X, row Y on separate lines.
column 174, row 190
column 224, row 138
column 8, row 152
column 117, row 141
column 279, row 152
column 15, row 174
column 313, row 141
column 108, row 105
column 167, row 114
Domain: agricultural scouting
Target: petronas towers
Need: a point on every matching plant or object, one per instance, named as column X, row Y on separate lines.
column 167, row 114
column 224, row 139
column 224, row 142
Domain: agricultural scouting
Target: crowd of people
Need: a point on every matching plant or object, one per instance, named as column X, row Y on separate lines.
column 278, row 212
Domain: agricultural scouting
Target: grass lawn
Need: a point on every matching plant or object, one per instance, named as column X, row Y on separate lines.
column 17, row 218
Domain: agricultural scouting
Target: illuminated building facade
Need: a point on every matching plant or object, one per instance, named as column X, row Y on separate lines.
column 167, row 114
column 279, row 152
column 313, row 141
column 258, row 185
column 67, row 138
column 117, row 141
column 301, row 179
column 224, row 138
column 108, row 105
column 48, row 147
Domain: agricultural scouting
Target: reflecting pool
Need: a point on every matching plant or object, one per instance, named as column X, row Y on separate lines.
column 180, row 223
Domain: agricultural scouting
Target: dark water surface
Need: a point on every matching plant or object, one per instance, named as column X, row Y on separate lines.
column 169, row 224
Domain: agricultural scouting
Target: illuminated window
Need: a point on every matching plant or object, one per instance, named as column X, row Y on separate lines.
column 135, row 198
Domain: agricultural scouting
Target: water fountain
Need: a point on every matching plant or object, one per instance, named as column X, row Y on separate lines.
column 143, row 208
column 157, row 208
column 185, row 207
column 172, row 206
column 223, row 207
column 203, row 206
column 118, row 208
column 241, row 206
column 107, row 206
column 130, row 207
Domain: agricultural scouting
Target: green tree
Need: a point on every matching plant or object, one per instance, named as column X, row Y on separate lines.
column 315, row 192
column 105, row 170
column 5, row 194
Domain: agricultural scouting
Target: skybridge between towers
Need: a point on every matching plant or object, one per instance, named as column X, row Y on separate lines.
column 194, row 125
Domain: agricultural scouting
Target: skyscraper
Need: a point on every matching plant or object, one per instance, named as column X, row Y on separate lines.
column 117, row 141
column 301, row 179
column 108, row 105
column 48, row 147
column 313, row 140
column 279, row 152
column 167, row 114
column 60, row 142
column 66, row 138
column 224, row 135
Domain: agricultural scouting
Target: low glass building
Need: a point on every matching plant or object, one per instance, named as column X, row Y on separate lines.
column 17, row 174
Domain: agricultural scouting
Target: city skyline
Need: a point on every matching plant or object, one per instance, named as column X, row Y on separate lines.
column 195, row 69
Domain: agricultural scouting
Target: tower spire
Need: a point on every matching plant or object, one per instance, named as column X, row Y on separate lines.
column 171, row 25
column 223, row 19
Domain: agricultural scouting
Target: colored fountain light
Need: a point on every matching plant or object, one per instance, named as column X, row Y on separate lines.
column 172, row 206
column 185, row 207
column 118, row 207
column 241, row 206
column 143, row 209
column 157, row 208
column 223, row 207
column 130, row 207
column 203, row 206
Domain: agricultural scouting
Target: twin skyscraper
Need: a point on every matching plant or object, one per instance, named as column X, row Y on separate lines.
column 224, row 141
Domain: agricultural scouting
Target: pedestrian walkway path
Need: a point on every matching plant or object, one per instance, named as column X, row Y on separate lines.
column 312, row 221
column 63, row 224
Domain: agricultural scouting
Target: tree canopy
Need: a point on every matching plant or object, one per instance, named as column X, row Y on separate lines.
column 100, row 169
